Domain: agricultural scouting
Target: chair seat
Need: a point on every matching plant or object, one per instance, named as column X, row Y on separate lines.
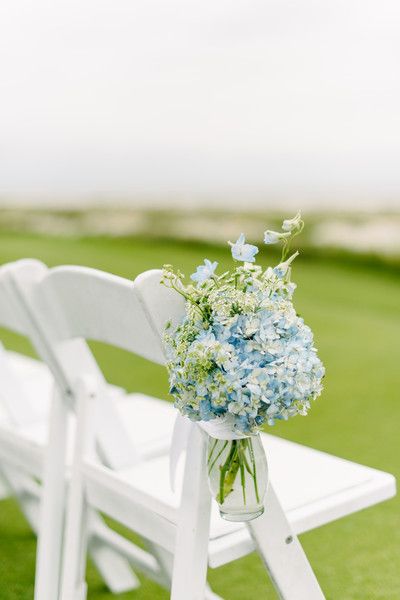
column 313, row 487
column 133, row 409
column 36, row 381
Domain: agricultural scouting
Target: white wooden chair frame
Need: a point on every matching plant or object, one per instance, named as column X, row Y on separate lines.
column 18, row 411
column 22, row 464
column 94, row 485
column 112, row 554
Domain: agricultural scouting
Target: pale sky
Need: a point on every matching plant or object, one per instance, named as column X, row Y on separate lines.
column 185, row 100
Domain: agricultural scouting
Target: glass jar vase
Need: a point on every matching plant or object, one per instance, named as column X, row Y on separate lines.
column 238, row 476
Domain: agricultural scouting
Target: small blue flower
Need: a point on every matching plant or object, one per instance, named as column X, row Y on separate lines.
column 204, row 272
column 291, row 224
column 272, row 237
column 281, row 269
column 242, row 251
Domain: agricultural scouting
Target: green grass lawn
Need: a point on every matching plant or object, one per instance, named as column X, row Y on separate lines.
column 355, row 314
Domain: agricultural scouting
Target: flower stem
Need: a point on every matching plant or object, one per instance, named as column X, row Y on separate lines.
column 253, row 461
column 212, row 450
column 228, row 472
column 210, row 468
column 245, row 461
column 239, row 457
column 242, row 473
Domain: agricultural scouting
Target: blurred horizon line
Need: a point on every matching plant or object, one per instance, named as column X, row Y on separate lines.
column 251, row 202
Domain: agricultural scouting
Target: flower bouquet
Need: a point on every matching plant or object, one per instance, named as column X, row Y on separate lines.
column 241, row 358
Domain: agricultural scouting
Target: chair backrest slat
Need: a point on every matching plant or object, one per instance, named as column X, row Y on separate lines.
column 12, row 316
column 14, row 399
column 87, row 303
column 160, row 303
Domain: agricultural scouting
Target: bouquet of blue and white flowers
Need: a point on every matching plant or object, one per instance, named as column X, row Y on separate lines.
column 242, row 357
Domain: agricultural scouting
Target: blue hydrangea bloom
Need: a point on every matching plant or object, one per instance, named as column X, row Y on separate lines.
column 241, row 350
column 259, row 367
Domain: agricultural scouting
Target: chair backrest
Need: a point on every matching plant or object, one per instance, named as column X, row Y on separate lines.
column 68, row 358
column 12, row 315
column 79, row 302
column 15, row 402
column 67, row 304
column 161, row 304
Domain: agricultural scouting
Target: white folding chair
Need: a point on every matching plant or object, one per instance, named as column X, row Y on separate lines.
column 16, row 412
column 23, row 438
column 308, row 488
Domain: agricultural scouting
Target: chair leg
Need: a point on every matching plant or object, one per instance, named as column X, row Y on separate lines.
column 113, row 567
column 140, row 559
column 73, row 585
column 191, row 548
column 81, row 520
column 48, row 556
column 281, row 551
column 165, row 562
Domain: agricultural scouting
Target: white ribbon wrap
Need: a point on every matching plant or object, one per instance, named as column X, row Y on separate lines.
column 220, row 428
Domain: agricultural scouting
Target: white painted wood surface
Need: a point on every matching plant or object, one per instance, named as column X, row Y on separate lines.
column 283, row 556
column 86, row 303
column 49, row 548
column 73, row 584
column 150, row 488
column 22, row 453
column 25, row 449
column 193, row 524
